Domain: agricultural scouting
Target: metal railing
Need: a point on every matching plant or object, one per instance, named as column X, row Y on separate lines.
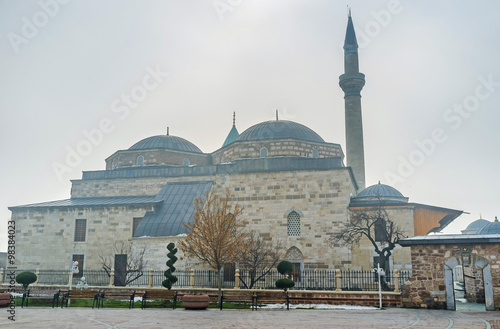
column 304, row 280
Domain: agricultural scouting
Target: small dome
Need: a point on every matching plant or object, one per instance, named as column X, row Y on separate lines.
column 279, row 129
column 380, row 191
column 166, row 142
column 491, row 228
column 377, row 193
column 475, row 226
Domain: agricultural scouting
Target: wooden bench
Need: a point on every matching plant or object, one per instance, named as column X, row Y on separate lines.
column 53, row 294
column 81, row 294
column 162, row 295
column 117, row 295
column 272, row 297
column 239, row 296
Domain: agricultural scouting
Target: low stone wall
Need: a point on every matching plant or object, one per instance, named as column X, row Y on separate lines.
column 359, row 298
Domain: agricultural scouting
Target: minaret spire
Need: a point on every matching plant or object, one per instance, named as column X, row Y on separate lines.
column 352, row 82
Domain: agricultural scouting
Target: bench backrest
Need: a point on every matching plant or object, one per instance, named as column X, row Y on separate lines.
column 167, row 294
column 82, row 293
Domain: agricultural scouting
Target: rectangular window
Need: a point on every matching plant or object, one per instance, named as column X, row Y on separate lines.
column 80, row 259
column 296, row 274
column 229, row 272
column 80, row 230
column 135, row 223
column 380, row 230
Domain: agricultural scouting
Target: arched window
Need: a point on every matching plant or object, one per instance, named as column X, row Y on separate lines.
column 293, row 224
column 139, row 161
column 315, row 153
column 186, row 162
column 263, row 152
column 222, row 159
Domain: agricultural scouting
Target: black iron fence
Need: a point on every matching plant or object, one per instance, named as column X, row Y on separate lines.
column 304, row 280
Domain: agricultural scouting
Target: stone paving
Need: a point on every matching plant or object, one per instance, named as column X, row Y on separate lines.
column 72, row 318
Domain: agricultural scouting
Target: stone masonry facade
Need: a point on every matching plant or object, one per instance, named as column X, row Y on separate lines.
column 427, row 287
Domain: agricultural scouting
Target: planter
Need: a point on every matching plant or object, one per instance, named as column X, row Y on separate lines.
column 195, row 302
column 5, row 299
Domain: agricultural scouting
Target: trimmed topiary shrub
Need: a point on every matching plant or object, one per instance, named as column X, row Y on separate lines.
column 285, row 268
column 170, row 278
column 26, row 278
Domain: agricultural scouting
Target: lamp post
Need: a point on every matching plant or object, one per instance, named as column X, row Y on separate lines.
column 380, row 272
column 74, row 270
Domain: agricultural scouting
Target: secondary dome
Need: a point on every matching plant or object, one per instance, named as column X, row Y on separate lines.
column 166, row 142
column 475, row 226
column 279, row 129
column 491, row 228
column 382, row 191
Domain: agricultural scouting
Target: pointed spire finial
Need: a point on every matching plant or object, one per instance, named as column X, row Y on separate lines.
column 348, row 11
column 276, row 115
column 234, row 118
column 167, row 131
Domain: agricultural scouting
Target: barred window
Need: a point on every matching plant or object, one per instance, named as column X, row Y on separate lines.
column 186, row 162
column 80, row 230
column 263, row 152
column 315, row 153
column 293, row 224
column 139, row 161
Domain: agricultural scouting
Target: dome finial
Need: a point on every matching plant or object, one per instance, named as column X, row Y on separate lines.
column 167, row 131
column 496, row 219
column 379, row 182
column 234, row 118
column 276, row 115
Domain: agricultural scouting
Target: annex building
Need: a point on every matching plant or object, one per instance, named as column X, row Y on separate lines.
column 293, row 186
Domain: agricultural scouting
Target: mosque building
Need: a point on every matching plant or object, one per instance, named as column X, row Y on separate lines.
column 292, row 184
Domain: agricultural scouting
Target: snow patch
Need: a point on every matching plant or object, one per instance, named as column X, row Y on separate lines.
column 320, row 307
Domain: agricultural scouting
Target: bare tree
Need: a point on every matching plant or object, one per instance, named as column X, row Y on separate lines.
column 377, row 226
column 131, row 263
column 215, row 235
column 259, row 258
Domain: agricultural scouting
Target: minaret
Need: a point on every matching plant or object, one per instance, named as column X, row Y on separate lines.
column 351, row 82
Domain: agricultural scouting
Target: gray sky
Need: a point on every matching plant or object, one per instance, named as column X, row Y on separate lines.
column 430, row 103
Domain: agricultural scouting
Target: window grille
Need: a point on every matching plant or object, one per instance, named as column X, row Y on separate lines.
column 80, row 230
column 293, row 224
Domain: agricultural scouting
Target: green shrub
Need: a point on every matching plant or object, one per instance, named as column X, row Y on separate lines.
column 284, row 284
column 285, row 267
column 26, row 278
column 170, row 278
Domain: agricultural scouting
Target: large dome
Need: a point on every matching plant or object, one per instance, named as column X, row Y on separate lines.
column 279, row 129
column 166, row 142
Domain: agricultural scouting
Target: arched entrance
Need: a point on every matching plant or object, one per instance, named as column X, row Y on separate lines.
column 479, row 262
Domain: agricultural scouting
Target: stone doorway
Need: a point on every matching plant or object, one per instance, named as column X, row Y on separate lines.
column 474, row 289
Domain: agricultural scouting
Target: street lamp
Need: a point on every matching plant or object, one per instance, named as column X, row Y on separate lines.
column 82, row 284
column 380, row 272
column 74, row 270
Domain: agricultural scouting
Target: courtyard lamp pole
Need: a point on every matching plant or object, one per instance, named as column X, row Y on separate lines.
column 380, row 272
column 74, row 270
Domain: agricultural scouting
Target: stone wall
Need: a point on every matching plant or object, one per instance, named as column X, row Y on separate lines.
column 251, row 149
column 128, row 158
column 426, row 288
column 45, row 238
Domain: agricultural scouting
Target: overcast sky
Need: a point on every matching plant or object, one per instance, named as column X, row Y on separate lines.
column 431, row 103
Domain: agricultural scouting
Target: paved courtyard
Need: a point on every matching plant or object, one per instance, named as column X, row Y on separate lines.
column 36, row 317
